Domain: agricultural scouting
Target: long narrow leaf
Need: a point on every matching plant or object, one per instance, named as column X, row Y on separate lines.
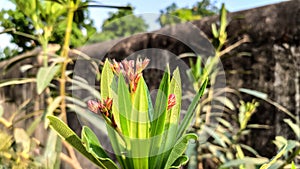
column 181, row 161
column 158, row 123
column 94, row 147
column 246, row 160
column 179, row 149
column 264, row 97
column 52, row 151
column 295, row 127
column 106, row 80
column 140, row 126
column 17, row 81
column 67, row 134
column 45, row 76
column 124, row 105
column 190, row 112
column 159, row 116
column 85, row 86
column 172, row 119
column 51, row 108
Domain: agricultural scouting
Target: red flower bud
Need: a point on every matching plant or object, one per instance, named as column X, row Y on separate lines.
column 171, row 101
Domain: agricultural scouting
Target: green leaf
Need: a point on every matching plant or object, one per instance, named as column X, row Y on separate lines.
column 106, row 80
column 245, row 160
column 92, row 118
column 45, row 76
column 52, row 151
column 214, row 30
column 125, row 105
column 33, row 125
column 293, row 166
column 94, row 147
column 217, row 138
column 82, row 85
column 17, row 81
column 275, row 158
column 159, row 116
column 173, row 115
column 139, row 126
column 254, row 93
column 181, row 161
column 190, row 112
column 172, row 118
column 140, row 119
column 179, row 149
column 223, row 20
column 265, row 97
column 250, row 149
column 70, row 136
column 51, row 108
column 225, row 101
column 294, row 127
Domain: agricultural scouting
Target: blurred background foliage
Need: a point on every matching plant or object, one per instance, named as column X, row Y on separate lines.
column 199, row 10
column 120, row 24
column 22, row 24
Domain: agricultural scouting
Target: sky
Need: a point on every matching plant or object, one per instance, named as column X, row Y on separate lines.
column 149, row 9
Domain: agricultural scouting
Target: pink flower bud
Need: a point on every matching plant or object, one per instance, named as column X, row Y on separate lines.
column 93, row 106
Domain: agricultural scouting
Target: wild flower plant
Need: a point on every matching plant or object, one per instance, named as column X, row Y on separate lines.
column 142, row 134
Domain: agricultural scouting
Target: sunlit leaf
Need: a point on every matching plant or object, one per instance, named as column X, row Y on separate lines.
column 181, row 161
column 246, row 160
column 179, row 149
column 190, row 112
column 44, row 76
column 160, row 108
column 125, row 105
column 159, row 116
column 82, row 85
column 172, row 118
column 51, row 108
column 215, row 135
column 275, row 158
column 140, row 125
column 17, row 81
column 93, row 146
column 68, row 135
column 226, row 102
column 254, row 93
column 106, row 80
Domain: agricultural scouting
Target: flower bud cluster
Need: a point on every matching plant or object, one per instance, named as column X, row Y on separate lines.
column 102, row 107
column 131, row 70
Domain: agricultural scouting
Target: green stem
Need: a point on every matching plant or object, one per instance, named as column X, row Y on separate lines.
column 64, row 54
column 45, row 53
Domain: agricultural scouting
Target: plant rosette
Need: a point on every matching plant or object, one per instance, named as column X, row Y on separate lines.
column 142, row 134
